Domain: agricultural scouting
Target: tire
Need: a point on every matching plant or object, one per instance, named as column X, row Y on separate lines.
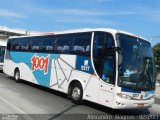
column 76, row 93
column 17, row 76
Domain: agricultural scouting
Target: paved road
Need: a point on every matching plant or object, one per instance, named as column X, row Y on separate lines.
column 26, row 98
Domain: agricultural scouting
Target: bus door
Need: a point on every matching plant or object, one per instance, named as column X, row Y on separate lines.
column 106, row 87
column 104, row 63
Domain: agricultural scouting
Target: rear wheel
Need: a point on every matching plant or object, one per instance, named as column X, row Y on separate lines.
column 76, row 93
column 17, row 76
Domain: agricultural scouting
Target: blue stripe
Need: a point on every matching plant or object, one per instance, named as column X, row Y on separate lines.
column 80, row 64
column 130, row 90
column 152, row 92
column 25, row 57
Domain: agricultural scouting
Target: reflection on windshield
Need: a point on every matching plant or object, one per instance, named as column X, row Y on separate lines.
column 137, row 69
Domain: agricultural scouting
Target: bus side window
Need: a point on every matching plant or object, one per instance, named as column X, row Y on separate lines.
column 63, row 44
column 109, row 42
column 25, row 44
column 16, row 45
column 36, row 44
column 48, row 44
column 82, row 44
column 9, row 44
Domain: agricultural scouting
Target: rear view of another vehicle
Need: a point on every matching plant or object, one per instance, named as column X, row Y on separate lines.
column 2, row 51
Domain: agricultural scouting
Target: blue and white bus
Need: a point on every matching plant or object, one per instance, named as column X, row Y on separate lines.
column 106, row 66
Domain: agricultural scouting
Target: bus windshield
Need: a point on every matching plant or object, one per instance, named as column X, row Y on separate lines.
column 137, row 70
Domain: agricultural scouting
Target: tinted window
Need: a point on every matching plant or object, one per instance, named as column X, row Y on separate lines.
column 16, row 44
column 36, row 44
column 102, row 41
column 104, row 56
column 25, row 44
column 9, row 44
column 108, row 69
column 82, row 43
column 63, row 44
column 76, row 44
column 137, row 68
column 48, row 44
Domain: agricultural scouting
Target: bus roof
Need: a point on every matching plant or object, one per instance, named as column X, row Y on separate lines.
column 112, row 31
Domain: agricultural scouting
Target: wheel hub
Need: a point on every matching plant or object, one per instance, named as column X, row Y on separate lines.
column 76, row 93
column 17, row 76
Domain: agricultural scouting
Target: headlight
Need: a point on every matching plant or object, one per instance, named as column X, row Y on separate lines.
column 124, row 96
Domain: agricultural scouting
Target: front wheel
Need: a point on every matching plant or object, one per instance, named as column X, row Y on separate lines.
column 17, row 76
column 76, row 93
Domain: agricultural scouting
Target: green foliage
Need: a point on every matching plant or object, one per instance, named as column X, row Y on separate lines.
column 156, row 50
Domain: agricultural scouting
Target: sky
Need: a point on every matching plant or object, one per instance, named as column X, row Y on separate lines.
column 141, row 17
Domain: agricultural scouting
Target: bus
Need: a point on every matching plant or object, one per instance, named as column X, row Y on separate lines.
column 3, row 44
column 109, row 67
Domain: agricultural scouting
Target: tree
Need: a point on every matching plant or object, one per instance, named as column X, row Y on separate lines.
column 156, row 50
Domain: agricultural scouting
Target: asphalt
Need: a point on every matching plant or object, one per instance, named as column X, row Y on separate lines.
column 34, row 102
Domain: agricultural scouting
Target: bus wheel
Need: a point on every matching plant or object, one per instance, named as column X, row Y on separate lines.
column 76, row 93
column 17, row 76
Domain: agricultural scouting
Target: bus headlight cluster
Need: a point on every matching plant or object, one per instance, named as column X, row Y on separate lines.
column 124, row 96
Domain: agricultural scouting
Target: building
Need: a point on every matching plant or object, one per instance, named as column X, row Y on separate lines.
column 5, row 33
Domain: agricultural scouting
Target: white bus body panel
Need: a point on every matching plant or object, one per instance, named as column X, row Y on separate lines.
column 11, row 66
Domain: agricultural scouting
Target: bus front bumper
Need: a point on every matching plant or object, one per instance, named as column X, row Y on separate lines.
column 121, row 103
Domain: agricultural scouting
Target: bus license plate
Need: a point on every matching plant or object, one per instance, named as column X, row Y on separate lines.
column 140, row 106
